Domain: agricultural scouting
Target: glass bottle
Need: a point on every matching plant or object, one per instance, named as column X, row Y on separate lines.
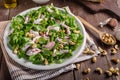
column 10, row 3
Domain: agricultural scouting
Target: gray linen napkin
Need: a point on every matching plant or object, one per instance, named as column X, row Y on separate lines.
column 19, row 72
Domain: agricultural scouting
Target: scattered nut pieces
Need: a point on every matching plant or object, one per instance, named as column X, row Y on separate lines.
column 103, row 52
column 86, row 71
column 108, row 73
column 46, row 62
column 60, row 45
column 113, row 51
column 41, row 33
column 100, row 49
column 63, row 30
column 15, row 50
column 94, row 59
column 108, row 39
column 98, row 70
column 111, row 69
column 91, row 52
column 116, row 47
column 115, row 60
column 88, row 51
column 36, row 41
column 76, row 31
column 34, row 45
column 71, row 42
column 29, row 35
column 77, row 66
column 114, row 71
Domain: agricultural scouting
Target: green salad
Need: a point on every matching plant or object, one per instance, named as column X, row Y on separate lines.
column 45, row 36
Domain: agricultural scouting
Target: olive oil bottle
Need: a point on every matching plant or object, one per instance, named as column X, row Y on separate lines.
column 10, row 3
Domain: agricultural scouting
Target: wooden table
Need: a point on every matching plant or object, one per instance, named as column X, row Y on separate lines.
column 77, row 9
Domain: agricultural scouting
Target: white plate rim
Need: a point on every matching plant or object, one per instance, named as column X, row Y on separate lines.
column 25, row 63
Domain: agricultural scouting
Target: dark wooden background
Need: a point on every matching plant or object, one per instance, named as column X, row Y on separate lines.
column 77, row 9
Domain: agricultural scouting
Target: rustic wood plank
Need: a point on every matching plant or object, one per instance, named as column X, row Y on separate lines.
column 78, row 74
column 65, row 76
column 3, row 12
column 93, row 19
column 4, row 73
column 103, row 62
column 87, row 64
column 1, row 56
column 112, row 9
column 22, row 5
column 109, row 56
column 108, row 48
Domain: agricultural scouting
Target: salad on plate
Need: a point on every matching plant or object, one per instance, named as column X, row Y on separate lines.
column 47, row 35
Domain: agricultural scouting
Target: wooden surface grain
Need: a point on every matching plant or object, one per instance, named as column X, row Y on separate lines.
column 77, row 9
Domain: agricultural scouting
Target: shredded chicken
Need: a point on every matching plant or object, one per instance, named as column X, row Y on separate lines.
column 50, row 45
column 67, row 28
column 26, row 19
column 34, row 32
column 52, row 28
column 45, row 36
column 38, row 21
column 33, row 51
column 36, row 38
column 26, row 47
column 49, row 10
column 60, row 40
column 64, row 51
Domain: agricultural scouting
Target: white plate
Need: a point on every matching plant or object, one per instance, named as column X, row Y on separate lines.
column 41, row 1
column 28, row 64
